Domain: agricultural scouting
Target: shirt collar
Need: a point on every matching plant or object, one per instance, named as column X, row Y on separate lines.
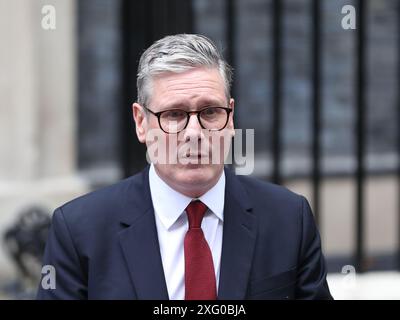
column 169, row 204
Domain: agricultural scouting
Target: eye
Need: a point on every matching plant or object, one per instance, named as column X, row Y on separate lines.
column 209, row 111
column 174, row 114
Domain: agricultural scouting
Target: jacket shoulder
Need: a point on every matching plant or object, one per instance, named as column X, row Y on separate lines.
column 273, row 203
column 260, row 190
column 103, row 204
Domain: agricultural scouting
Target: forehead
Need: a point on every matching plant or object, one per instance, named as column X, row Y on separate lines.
column 188, row 88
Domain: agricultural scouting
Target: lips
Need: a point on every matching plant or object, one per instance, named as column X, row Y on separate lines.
column 189, row 154
column 195, row 156
column 195, row 159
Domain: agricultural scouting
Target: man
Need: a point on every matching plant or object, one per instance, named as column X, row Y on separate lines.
column 185, row 227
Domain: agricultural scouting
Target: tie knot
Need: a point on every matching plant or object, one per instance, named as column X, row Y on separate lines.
column 195, row 212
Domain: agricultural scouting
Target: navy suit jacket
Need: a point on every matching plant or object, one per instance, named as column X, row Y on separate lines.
column 104, row 245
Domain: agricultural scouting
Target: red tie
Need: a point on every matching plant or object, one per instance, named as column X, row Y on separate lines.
column 200, row 281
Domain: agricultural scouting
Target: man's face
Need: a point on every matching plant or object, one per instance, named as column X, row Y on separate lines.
column 194, row 149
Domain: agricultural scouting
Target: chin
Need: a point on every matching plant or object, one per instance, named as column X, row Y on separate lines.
column 191, row 179
column 195, row 173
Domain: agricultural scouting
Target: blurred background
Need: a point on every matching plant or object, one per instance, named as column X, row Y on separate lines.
column 323, row 100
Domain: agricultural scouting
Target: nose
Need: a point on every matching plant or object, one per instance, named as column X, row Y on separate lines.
column 193, row 128
column 194, row 121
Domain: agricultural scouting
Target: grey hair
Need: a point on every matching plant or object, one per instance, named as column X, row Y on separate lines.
column 179, row 53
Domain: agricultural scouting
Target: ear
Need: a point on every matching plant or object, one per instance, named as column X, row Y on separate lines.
column 231, row 124
column 139, row 117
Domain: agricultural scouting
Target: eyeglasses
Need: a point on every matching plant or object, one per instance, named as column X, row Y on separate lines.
column 175, row 120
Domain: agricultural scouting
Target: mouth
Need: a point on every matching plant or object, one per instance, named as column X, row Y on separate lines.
column 194, row 159
column 195, row 156
column 189, row 154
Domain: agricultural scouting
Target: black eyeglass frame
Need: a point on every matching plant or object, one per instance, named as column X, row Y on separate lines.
column 188, row 114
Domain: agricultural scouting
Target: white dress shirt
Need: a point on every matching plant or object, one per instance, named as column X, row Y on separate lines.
column 172, row 225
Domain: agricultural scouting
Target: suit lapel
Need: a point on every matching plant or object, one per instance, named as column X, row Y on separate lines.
column 139, row 242
column 239, row 235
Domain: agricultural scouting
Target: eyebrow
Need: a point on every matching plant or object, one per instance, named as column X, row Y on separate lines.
column 181, row 105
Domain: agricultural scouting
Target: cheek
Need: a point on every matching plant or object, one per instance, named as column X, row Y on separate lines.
column 172, row 146
column 222, row 141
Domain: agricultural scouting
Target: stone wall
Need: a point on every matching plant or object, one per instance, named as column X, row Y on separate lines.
column 37, row 111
